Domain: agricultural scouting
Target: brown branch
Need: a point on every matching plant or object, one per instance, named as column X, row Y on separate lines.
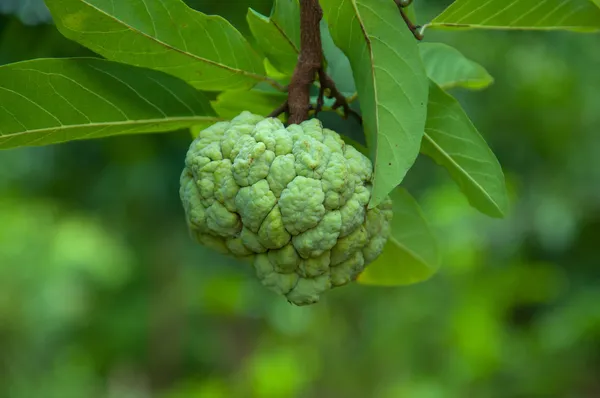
column 280, row 109
column 310, row 64
column 340, row 100
column 309, row 61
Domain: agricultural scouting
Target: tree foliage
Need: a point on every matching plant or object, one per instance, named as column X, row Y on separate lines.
column 163, row 60
column 102, row 294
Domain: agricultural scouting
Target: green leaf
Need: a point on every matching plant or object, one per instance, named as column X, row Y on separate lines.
column 229, row 104
column 166, row 35
column 446, row 66
column 391, row 84
column 579, row 15
column 338, row 65
column 47, row 101
column 411, row 254
column 453, row 142
column 286, row 16
column 273, row 40
column 281, row 53
column 282, row 78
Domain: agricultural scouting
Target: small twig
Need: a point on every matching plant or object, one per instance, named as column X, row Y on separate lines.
column 309, row 60
column 280, row 109
column 340, row 100
column 321, row 97
column 415, row 29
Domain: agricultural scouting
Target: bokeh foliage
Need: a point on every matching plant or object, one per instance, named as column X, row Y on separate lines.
column 103, row 294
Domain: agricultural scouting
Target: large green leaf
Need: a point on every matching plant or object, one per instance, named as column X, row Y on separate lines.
column 167, row 35
column 447, row 67
column 579, row 15
column 274, row 37
column 47, row 101
column 390, row 80
column 454, row 143
column 411, row 254
column 229, row 104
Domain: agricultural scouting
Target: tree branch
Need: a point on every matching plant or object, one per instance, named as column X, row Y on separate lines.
column 309, row 61
column 309, row 66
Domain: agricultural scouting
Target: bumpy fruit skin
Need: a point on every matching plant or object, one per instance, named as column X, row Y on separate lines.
column 292, row 201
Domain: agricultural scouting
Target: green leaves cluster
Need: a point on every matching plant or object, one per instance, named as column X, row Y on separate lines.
column 160, row 57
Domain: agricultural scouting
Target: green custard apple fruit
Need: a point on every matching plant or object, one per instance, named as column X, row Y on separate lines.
column 291, row 200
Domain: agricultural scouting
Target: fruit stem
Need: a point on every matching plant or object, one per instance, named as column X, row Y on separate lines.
column 308, row 68
column 309, row 61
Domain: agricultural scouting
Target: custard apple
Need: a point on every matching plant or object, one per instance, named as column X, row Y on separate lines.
column 291, row 200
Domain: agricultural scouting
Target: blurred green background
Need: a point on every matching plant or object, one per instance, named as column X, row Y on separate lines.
column 103, row 294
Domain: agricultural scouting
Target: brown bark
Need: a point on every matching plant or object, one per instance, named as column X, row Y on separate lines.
column 309, row 61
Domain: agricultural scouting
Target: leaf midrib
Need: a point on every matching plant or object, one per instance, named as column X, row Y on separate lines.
column 119, row 123
column 186, row 53
column 285, row 36
column 516, row 28
column 410, row 252
column 462, row 170
column 372, row 70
